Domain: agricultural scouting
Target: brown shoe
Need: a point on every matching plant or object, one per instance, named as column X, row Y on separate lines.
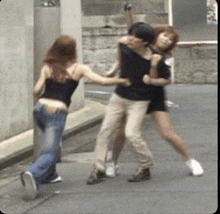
column 95, row 177
column 143, row 175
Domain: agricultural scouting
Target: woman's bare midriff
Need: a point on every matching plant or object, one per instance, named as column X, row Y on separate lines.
column 54, row 104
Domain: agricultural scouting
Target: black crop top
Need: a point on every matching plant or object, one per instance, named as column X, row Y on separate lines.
column 163, row 72
column 133, row 67
column 60, row 91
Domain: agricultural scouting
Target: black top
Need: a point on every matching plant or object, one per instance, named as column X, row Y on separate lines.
column 60, row 91
column 158, row 103
column 133, row 67
column 163, row 72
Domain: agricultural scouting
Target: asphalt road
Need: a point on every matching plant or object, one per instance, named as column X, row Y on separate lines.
column 171, row 189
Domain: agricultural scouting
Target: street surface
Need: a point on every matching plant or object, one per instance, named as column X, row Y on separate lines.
column 171, row 189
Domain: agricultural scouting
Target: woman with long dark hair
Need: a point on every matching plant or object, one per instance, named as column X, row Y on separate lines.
column 58, row 80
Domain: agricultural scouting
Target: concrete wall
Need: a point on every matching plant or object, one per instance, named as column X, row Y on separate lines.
column 49, row 23
column 99, row 13
column 100, row 47
column 104, row 23
column 196, row 64
column 16, row 66
column 71, row 25
column 17, row 61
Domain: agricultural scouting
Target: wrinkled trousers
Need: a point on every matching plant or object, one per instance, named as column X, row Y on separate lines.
column 134, row 111
column 52, row 123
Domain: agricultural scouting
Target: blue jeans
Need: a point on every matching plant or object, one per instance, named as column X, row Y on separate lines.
column 52, row 124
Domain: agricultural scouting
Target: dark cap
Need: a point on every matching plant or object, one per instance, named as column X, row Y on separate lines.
column 143, row 31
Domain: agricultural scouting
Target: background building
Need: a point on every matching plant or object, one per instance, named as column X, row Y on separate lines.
column 103, row 23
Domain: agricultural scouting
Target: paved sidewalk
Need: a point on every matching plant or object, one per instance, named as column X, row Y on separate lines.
column 170, row 191
column 21, row 146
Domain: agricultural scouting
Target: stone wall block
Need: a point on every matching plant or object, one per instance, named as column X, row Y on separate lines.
column 86, row 41
column 199, row 78
column 182, row 53
column 114, row 7
column 102, row 68
column 121, row 31
column 99, row 68
column 104, row 31
column 204, row 65
column 105, row 56
column 100, row 42
column 197, row 60
column 106, row 42
column 204, row 52
column 149, row 6
column 183, row 71
column 90, row 31
column 113, row 31
column 94, row 21
column 88, row 56
column 118, row 20
column 100, row 7
column 212, row 77
column 155, row 19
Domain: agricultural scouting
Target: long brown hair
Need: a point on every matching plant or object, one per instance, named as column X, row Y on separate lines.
column 170, row 30
column 61, row 53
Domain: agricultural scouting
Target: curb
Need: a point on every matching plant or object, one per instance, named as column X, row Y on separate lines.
column 21, row 146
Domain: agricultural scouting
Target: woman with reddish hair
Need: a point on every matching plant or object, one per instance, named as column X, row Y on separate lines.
column 165, row 40
column 60, row 76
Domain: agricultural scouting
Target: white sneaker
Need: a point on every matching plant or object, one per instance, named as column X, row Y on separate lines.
column 195, row 167
column 56, row 180
column 30, row 184
column 112, row 170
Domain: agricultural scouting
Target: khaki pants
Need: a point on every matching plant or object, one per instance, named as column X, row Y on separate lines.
column 134, row 111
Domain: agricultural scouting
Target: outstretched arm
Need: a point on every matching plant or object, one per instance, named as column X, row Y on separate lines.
column 107, row 81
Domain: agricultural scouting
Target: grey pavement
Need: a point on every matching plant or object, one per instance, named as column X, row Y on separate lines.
column 171, row 189
column 21, row 146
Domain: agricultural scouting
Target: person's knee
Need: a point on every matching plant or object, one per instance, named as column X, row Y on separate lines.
column 131, row 136
column 168, row 136
column 105, row 133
